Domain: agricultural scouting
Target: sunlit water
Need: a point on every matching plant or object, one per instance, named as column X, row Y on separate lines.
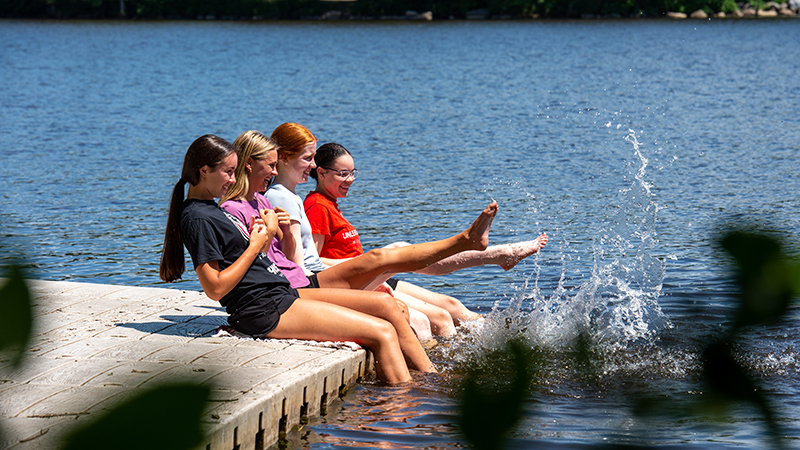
column 630, row 143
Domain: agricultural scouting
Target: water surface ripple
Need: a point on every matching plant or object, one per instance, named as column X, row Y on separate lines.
column 629, row 142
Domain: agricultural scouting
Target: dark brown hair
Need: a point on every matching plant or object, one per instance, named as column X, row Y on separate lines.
column 207, row 150
column 327, row 155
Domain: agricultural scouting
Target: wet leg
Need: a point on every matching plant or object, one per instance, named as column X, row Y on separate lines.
column 458, row 312
column 505, row 255
column 420, row 324
column 440, row 320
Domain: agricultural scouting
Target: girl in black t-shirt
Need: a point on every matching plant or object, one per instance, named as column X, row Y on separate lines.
column 233, row 270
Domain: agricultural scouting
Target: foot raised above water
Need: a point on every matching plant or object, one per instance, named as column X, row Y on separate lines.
column 517, row 251
column 478, row 233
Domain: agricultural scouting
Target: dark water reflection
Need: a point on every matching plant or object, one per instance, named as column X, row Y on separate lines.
column 442, row 118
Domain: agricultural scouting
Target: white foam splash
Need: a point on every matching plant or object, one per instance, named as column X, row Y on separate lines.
column 618, row 304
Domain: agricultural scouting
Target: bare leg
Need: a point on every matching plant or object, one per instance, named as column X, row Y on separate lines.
column 310, row 319
column 382, row 306
column 441, row 321
column 458, row 312
column 506, row 256
column 420, row 324
column 359, row 272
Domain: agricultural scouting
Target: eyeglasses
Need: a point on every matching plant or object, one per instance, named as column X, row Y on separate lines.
column 344, row 174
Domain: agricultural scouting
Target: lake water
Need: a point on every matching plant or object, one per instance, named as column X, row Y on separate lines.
column 629, row 142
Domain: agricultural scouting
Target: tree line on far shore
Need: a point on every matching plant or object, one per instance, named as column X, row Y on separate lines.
column 300, row 9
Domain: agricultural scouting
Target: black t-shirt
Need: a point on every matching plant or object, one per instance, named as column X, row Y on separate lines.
column 211, row 234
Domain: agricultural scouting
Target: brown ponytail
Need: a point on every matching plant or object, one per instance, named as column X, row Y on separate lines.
column 172, row 258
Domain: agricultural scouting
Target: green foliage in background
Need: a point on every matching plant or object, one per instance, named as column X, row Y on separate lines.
column 768, row 281
column 164, row 418
column 299, row 9
column 767, row 278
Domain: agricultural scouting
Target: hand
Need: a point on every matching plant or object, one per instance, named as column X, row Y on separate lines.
column 259, row 236
column 283, row 217
column 270, row 219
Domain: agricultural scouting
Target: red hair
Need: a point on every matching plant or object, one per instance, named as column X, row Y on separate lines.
column 291, row 138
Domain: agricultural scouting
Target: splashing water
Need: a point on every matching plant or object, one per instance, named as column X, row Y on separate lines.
column 617, row 306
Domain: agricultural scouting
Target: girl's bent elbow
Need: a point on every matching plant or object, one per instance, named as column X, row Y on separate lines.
column 212, row 292
column 213, row 295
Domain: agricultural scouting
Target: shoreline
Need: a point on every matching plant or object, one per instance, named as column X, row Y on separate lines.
column 744, row 10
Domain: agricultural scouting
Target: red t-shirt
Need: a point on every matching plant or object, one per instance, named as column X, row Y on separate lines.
column 341, row 238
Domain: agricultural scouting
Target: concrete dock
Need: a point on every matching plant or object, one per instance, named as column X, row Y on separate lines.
column 96, row 345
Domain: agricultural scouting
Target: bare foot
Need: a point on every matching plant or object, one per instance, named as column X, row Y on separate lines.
column 518, row 251
column 478, row 233
column 476, row 316
column 469, row 317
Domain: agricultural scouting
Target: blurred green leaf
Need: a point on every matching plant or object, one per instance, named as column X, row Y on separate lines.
column 167, row 417
column 490, row 407
column 768, row 279
column 16, row 318
column 728, row 382
column 725, row 377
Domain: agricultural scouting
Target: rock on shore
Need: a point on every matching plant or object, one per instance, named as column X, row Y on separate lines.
column 771, row 9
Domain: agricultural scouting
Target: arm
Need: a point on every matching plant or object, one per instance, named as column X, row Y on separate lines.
column 297, row 256
column 291, row 203
column 319, row 241
column 217, row 283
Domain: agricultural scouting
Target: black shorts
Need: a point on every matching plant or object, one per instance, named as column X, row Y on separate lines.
column 313, row 282
column 259, row 319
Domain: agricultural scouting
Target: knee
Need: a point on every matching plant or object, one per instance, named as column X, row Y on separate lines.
column 442, row 323
column 421, row 325
column 404, row 310
column 441, row 318
column 389, row 304
column 376, row 257
column 451, row 303
column 385, row 332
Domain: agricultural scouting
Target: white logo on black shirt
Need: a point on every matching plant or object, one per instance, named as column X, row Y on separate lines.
column 273, row 269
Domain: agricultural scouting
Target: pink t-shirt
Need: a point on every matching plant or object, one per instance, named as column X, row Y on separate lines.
column 243, row 210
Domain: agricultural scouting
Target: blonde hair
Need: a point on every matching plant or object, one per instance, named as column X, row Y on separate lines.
column 250, row 144
column 290, row 138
